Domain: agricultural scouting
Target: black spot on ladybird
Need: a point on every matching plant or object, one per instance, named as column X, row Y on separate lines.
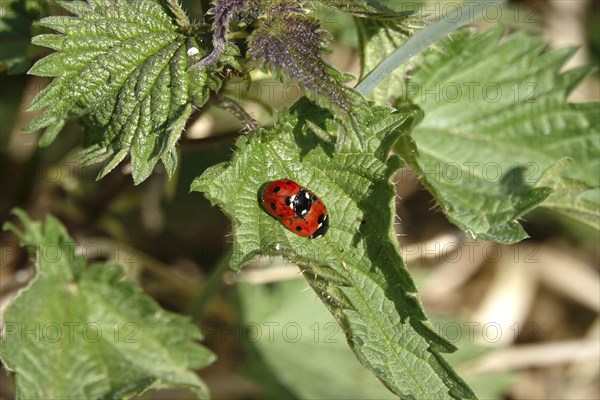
column 273, row 207
column 288, row 200
column 276, row 189
column 288, row 183
column 298, row 228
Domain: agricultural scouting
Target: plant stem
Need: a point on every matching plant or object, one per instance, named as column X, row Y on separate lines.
column 197, row 307
column 421, row 40
column 237, row 111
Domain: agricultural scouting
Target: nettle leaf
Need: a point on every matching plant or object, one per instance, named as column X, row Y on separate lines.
column 496, row 118
column 124, row 66
column 571, row 197
column 356, row 268
column 105, row 338
column 289, row 43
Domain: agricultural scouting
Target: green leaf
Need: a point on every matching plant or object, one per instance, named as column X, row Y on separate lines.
column 287, row 330
column 124, row 66
column 355, row 268
column 80, row 332
column 496, row 118
column 571, row 197
column 466, row 336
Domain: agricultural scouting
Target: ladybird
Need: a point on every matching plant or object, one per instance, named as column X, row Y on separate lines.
column 284, row 198
column 315, row 224
column 300, row 210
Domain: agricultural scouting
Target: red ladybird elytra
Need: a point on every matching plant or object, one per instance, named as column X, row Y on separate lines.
column 284, row 198
column 315, row 224
column 301, row 211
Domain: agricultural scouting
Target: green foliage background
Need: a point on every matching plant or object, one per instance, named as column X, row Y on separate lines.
column 126, row 78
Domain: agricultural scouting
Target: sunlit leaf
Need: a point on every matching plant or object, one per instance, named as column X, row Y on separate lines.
column 496, row 118
column 124, row 66
column 355, row 268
